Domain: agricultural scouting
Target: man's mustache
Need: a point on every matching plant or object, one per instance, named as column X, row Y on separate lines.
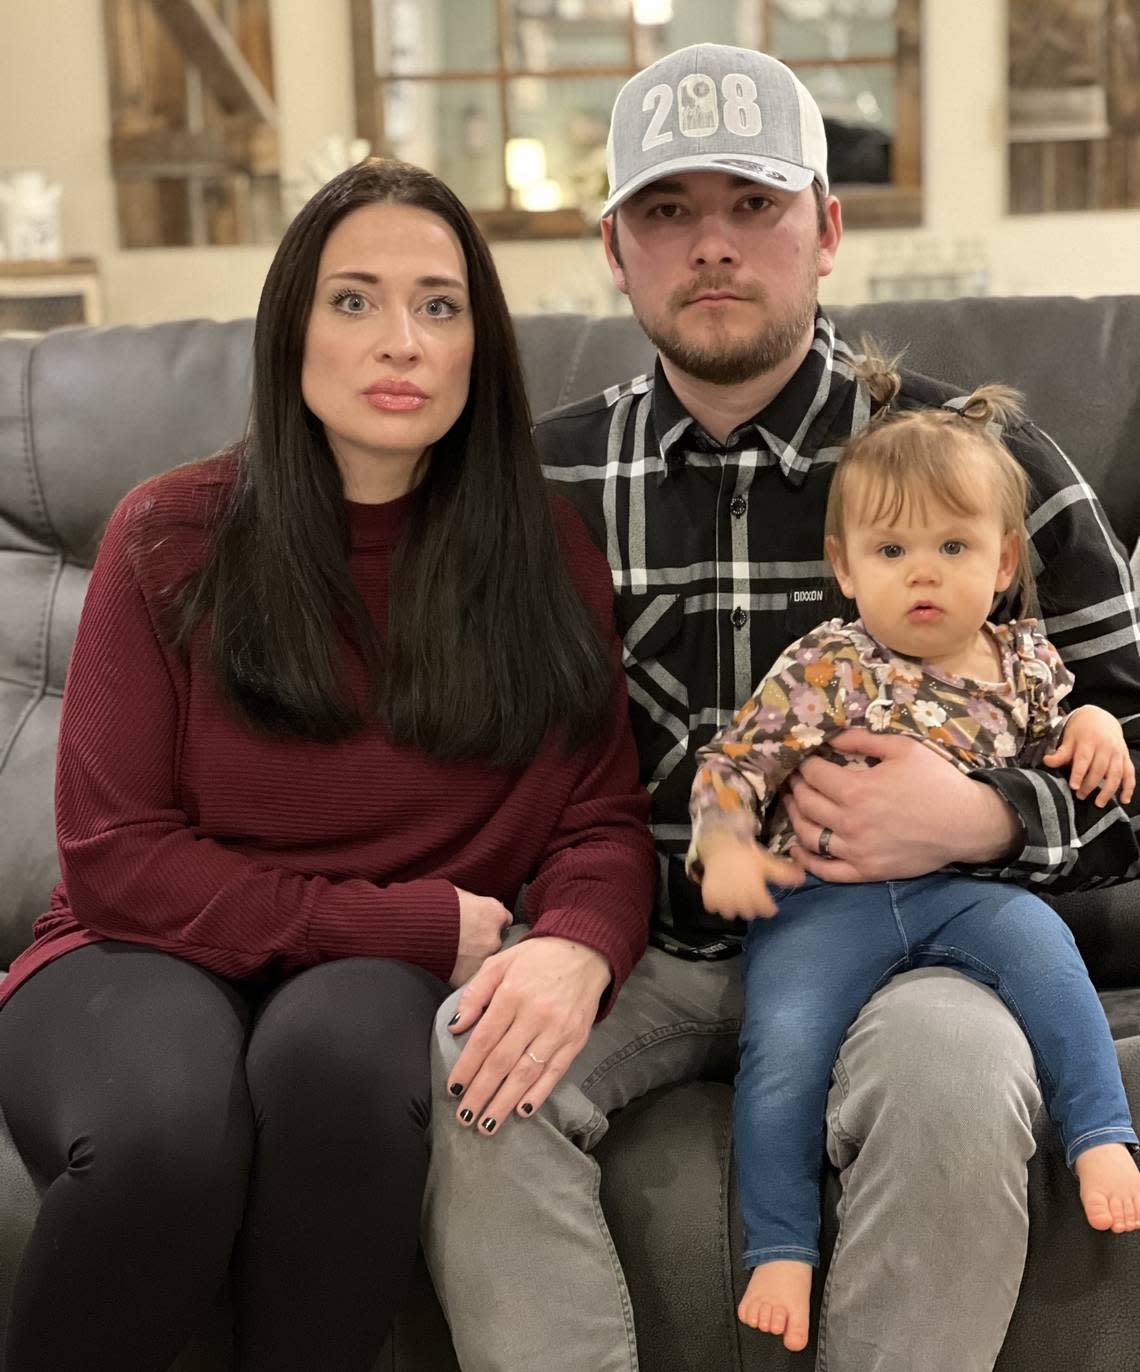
column 700, row 285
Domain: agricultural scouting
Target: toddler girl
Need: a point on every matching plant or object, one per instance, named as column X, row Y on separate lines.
column 925, row 530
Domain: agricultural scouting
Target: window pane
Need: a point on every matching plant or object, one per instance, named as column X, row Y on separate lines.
column 543, row 35
column 680, row 23
column 835, row 29
column 427, row 36
column 858, row 107
column 454, row 129
column 562, row 162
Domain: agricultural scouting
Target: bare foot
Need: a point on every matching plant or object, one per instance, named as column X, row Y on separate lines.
column 777, row 1301
column 1110, row 1187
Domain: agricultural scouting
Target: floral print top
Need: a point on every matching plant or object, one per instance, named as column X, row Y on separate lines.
column 839, row 677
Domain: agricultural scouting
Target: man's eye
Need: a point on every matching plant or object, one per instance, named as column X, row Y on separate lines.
column 665, row 210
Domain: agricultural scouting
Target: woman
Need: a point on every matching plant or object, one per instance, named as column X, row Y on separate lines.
column 335, row 696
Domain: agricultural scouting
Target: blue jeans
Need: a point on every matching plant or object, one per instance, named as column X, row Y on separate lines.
column 810, row 970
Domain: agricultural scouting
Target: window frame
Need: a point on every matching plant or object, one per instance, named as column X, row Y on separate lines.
column 894, row 204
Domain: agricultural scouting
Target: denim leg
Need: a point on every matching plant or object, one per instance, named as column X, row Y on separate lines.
column 808, row 971
column 1007, row 938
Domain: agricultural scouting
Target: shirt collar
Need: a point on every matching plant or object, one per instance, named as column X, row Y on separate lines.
column 793, row 426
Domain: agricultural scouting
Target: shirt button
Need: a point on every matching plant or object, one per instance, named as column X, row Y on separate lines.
column 739, row 618
column 737, row 505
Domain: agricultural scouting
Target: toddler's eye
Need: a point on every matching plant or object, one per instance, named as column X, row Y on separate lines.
column 891, row 550
column 953, row 546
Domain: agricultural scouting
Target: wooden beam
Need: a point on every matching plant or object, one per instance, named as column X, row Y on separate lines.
column 369, row 106
column 243, row 145
column 208, row 44
column 906, row 150
column 125, row 73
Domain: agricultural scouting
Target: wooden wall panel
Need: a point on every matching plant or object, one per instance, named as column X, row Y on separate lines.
column 193, row 121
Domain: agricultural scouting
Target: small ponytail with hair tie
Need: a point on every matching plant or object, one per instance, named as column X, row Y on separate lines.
column 879, row 373
column 992, row 407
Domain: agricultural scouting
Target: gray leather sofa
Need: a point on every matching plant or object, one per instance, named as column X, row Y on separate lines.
column 85, row 414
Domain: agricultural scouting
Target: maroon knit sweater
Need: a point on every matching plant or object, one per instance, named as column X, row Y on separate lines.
column 182, row 829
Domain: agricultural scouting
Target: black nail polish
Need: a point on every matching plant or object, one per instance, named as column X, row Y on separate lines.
column 454, row 1019
column 488, row 1123
column 455, row 1089
column 466, row 1116
column 526, row 1108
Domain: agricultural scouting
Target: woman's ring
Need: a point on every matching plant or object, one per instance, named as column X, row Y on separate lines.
column 825, row 837
column 541, row 1061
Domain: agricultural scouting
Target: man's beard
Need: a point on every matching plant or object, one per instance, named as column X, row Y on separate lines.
column 730, row 361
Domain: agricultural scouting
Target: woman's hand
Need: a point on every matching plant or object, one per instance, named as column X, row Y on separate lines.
column 482, row 923
column 532, row 1007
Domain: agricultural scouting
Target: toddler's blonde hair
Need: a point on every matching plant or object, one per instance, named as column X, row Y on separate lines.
column 904, row 459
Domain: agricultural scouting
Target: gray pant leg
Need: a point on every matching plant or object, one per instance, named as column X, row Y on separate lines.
column 513, row 1228
column 930, row 1123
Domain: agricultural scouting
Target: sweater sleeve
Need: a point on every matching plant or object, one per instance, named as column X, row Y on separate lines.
column 798, row 705
column 595, row 881
column 133, row 865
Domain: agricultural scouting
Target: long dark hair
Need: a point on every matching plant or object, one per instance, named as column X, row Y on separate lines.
column 488, row 647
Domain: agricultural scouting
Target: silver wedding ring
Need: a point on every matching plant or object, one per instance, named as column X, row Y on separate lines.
column 825, row 837
column 541, row 1061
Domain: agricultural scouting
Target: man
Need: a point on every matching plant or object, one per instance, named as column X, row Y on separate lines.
column 706, row 484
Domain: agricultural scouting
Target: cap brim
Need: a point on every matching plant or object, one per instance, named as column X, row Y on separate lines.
column 773, row 172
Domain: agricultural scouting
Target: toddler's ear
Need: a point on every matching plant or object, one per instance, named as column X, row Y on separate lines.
column 833, row 551
column 1007, row 566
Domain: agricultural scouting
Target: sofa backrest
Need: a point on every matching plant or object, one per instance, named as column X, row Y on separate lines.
column 85, row 414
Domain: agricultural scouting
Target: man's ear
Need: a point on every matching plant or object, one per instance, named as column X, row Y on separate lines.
column 834, row 552
column 830, row 238
column 607, row 243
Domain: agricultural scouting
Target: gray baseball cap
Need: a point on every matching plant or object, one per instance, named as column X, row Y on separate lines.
column 715, row 108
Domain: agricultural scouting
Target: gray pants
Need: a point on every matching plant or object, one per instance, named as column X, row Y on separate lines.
column 929, row 1122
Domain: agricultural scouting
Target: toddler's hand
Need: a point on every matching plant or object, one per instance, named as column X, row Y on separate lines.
column 1093, row 742
column 736, row 876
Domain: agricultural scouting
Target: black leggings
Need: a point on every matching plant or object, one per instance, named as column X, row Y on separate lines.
column 178, row 1123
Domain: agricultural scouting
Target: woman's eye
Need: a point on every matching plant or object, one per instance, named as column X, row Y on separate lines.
column 441, row 308
column 351, row 302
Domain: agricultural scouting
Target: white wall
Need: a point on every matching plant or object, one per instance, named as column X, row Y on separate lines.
column 54, row 115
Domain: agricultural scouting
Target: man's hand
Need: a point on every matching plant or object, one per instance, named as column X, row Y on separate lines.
column 736, row 876
column 482, row 923
column 1093, row 742
column 913, row 813
column 532, row 1007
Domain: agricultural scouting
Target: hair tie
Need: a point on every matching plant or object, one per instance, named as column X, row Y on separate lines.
column 957, row 406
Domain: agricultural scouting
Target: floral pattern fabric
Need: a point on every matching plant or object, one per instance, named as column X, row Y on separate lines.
column 839, row 677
